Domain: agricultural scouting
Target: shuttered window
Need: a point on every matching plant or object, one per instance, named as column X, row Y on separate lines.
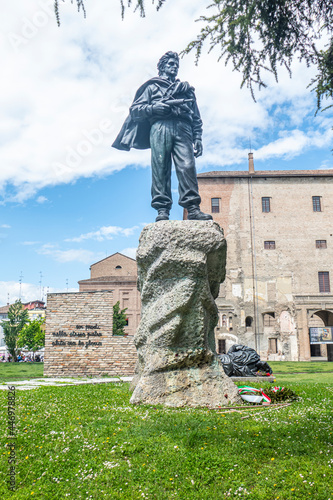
column 272, row 346
column 215, row 205
column 266, row 204
column 316, row 204
column 221, row 346
column 324, row 281
column 321, row 244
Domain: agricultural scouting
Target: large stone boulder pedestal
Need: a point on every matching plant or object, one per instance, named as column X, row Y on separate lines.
column 180, row 267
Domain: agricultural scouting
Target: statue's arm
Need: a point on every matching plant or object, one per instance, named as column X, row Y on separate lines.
column 197, row 123
column 142, row 108
column 197, row 131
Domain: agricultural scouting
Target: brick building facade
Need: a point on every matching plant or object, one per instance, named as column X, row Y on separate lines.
column 279, row 231
column 119, row 274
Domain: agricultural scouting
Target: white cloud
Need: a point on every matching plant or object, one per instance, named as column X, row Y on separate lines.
column 71, row 255
column 292, row 143
column 130, row 252
column 67, row 91
column 10, row 291
column 105, row 233
column 325, row 165
column 41, row 199
column 5, row 226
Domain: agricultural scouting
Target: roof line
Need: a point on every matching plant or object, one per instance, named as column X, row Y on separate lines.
column 116, row 253
column 267, row 173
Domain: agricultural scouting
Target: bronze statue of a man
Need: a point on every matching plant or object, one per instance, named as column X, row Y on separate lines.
column 165, row 117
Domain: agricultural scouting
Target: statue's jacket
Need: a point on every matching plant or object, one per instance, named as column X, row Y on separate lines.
column 135, row 131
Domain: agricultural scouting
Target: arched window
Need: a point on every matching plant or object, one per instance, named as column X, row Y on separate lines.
column 269, row 319
column 221, row 346
column 230, row 324
column 248, row 321
column 224, row 321
column 118, row 267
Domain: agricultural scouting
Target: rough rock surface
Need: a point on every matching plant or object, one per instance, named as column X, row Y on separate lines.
column 180, row 267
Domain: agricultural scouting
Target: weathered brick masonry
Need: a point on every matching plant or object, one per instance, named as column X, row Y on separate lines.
column 78, row 337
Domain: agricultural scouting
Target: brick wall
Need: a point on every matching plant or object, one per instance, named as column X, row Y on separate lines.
column 125, row 292
column 78, row 337
column 115, row 265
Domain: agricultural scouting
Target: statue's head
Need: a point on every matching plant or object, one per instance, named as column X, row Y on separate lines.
column 164, row 60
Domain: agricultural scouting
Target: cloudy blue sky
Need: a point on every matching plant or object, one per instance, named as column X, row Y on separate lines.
column 67, row 199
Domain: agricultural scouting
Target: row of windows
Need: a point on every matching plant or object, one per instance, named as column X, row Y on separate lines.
column 265, row 204
column 269, row 318
column 324, row 287
column 272, row 346
column 227, row 323
column 270, row 244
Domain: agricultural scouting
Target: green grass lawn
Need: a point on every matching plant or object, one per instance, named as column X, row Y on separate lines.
column 20, row 371
column 301, row 366
column 25, row 371
column 88, row 442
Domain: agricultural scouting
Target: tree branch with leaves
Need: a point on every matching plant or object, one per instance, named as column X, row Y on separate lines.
column 17, row 318
column 256, row 36
column 119, row 320
column 32, row 335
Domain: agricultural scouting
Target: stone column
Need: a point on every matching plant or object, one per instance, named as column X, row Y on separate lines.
column 180, row 267
column 303, row 332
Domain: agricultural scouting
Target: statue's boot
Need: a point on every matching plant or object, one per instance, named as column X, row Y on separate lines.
column 194, row 213
column 163, row 214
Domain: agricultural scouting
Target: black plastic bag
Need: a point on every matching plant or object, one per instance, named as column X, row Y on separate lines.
column 242, row 361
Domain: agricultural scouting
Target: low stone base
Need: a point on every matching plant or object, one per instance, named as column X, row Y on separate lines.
column 206, row 386
column 249, row 380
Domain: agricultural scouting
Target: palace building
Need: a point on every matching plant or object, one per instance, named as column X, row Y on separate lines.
column 279, row 231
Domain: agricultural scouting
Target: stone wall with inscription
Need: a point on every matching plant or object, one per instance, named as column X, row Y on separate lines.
column 79, row 340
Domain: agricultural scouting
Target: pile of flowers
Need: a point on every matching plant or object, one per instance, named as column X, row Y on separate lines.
column 245, row 390
column 278, row 394
column 269, row 395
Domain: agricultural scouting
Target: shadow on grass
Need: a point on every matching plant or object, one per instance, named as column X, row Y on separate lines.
column 12, row 372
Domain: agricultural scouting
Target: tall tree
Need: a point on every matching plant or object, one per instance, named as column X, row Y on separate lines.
column 119, row 319
column 256, row 36
column 17, row 318
column 32, row 336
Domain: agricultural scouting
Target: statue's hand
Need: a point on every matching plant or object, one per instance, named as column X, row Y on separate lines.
column 161, row 109
column 198, row 148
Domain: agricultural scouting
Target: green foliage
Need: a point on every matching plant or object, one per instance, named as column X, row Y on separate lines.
column 79, row 3
column 17, row 318
column 323, row 83
column 32, row 336
column 119, row 320
column 257, row 36
column 137, row 4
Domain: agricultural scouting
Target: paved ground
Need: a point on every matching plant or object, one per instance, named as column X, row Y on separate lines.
column 26, row 385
